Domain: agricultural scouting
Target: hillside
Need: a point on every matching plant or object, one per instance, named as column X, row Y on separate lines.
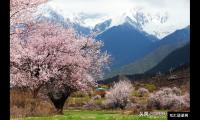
column 145, row 63
column 179, row 77
column 178, row 57
column 125, row 44
column 160, row 49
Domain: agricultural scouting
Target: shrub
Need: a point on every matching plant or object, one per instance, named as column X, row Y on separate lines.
column 108, row 104
column 79, row 94
column 176, row 91
column 91, row 105
column 168, row 98
column 135, row 94
column 133, row 99
column 96, row 97
column 153, row 102
column 186, row 99
column 118, row 95
column 142, row 92
column 76, row 101
column 104, row 86
column 137, row 108
column 150, row 87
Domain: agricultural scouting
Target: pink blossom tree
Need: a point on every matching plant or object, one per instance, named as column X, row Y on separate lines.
column 22, row 13
column 21, row 10
column 168, row 98
column 49, row 55
column 45, row 54
column 142, row 91
column 119, row 94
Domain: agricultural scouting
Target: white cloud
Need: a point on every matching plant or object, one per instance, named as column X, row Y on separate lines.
column 178, row 10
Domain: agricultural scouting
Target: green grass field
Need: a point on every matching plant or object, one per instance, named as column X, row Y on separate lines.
column 94, row 115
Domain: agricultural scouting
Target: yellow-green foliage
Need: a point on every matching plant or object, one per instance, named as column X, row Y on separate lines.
column 151, row 87
column 135, row 93
column 77, row 101
column 79, row 94
column 104, row 86
column 99, row 101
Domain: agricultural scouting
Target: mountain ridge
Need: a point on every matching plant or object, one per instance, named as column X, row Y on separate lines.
column 161, row 49
column 155, row 24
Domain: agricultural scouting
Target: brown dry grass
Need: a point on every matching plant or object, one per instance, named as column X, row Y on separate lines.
column 23, row 104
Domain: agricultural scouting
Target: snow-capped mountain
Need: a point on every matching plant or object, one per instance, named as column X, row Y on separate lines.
column 156, row 23
column 102, row 26
column 153, row 23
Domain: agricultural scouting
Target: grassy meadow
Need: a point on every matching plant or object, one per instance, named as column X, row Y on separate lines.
column 94, row 115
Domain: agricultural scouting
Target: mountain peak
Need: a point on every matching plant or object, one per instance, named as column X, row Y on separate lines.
column 156, row 23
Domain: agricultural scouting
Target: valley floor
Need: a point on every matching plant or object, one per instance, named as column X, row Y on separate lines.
column 94, row 115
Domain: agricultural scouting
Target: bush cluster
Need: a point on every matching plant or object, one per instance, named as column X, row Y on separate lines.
column 168, row 98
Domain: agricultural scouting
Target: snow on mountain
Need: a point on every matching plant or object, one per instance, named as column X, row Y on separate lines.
column 153, row 23
column 156, row 24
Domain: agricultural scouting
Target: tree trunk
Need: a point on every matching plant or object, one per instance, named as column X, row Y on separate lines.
column 33, row 103
column 36, row 91
column 34, row 94
column 58, row 99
